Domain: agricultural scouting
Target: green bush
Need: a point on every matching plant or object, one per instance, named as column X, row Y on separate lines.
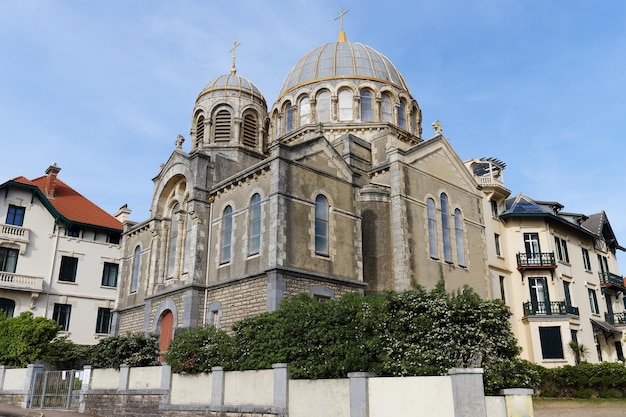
column 64, row 354
column 417, row 332
column 198, row 349
column 132, row 349
column 584, row 393
column 514, row 373
column 610, row 393
column 602, row 379
column 25, row 338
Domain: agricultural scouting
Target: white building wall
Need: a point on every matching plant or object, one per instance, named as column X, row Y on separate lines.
column 41, row 258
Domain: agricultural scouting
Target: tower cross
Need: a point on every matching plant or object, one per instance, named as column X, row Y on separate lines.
column 233, row 69
column 340, row 17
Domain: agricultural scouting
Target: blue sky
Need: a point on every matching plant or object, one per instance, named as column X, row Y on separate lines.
column 103, row 88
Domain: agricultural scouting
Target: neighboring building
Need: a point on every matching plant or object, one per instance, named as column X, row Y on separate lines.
column 556, row 270
column 59, row 256
column 332, row 190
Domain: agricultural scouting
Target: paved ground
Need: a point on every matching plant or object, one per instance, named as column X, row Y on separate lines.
column 543, row 408
column 576, row 408
column 7, row 410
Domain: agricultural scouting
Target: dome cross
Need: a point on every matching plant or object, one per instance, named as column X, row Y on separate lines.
column 233, row 69
column 342, row 34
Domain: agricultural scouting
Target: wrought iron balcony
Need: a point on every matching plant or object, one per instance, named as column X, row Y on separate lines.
column 541, row 308
column 615, row 318
column 611, row 280
column 543, row 260
column 20, row 282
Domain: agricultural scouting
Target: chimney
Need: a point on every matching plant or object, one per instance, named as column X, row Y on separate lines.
column 123, row 213
column 51, row 181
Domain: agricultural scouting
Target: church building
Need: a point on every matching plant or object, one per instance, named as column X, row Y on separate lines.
column 330, row 190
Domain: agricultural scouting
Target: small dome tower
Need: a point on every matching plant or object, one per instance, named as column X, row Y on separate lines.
column 230, row 111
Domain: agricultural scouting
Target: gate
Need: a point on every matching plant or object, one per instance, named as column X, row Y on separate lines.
column 56, row 389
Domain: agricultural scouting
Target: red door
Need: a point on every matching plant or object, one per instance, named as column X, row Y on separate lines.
column 167, row 330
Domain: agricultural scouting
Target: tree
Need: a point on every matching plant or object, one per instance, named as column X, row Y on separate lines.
column 132, row 349
column 580, row 351
column 25, row 338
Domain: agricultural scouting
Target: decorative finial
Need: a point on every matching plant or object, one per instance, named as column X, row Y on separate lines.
column 438, row 128
column 179, row 141
column 233, row 69
column 342, row 35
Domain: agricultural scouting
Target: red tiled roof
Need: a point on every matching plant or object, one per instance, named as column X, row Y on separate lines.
column 73, row 206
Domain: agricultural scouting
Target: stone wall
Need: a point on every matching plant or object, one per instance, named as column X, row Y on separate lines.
column 240, row 300
column 131, row 320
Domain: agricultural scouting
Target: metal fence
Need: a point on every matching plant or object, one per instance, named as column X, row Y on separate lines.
column 56, row 389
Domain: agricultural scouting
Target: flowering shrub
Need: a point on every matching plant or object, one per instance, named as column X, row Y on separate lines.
column 417, row 332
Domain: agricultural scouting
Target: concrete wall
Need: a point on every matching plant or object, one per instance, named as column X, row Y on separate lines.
column 249, row 388
column 191, row 389
column 14, row 379
column 155, row 391
column 102, row 379
column 429, row 396
column 321, row 397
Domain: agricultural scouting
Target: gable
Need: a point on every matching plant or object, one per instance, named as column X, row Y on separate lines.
column 318, row 154
column 437, row 158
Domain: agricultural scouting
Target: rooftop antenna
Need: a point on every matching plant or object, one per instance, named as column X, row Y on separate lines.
column 233, row 69
column 342, row 34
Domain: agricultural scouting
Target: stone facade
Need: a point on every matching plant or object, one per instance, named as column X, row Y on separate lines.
column 332, row 190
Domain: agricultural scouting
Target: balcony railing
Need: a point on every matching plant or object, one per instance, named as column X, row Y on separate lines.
column 611, row 279
column 20, row 282
column 535, row 260
column 615, row 318
column 14, row 233
column 541, row 308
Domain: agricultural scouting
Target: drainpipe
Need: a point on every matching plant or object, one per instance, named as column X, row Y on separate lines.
column 208, row 258
column 54, row 257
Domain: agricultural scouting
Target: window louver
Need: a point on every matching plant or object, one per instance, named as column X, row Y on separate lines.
column 222, row 126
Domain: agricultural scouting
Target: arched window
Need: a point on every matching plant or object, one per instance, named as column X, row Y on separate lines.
column 402, row 115
column 222, row 126
column 7, row 307
column 445, row 229
column 227, row 233
column 321, row 225
column 187, row 248
column 250, row 130
column 386, row 108
column 172, row 242
column 288, row 118
column 345, row 105
column 458, row 233
column 200, row 131
column 322, row 106
column 134, row 282
column 367, row 110
column 432, row 228
column 255, row 224
column 305, row 111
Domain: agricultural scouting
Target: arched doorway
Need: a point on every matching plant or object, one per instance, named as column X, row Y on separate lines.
column 166, row 332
